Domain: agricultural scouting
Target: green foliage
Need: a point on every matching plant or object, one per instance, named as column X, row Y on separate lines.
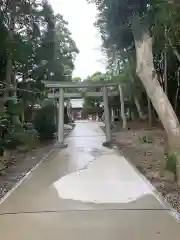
column 44, row 122
column 171, row 163
column 36, row 40
column 14, row 108
column 76, row 79
column 17, row 136
column 117, row 24
column 35, row 45
column 3, row 126
column 13, row 135
column 92, row 104
column 146, row 139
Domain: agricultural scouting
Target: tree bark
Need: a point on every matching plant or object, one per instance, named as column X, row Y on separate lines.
column 9, row 64
column 146, row 71
column 165, row 64
column 138, row 106
column 123, row 116
column 8, row 73
column 173, row 48
column 136, row 101
column 15, row 118
column 149, row 111
column 177, row 90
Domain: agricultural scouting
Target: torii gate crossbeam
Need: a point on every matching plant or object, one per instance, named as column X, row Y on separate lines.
column 85, row 84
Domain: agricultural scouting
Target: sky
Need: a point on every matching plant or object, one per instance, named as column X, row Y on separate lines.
column 81, row 17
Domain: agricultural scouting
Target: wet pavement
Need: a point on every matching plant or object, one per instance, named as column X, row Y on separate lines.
column 85, row 192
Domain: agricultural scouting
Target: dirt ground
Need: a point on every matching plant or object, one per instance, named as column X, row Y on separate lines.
column 21, row 163
column 149, row 158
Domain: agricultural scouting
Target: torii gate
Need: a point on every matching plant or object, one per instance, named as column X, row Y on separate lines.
column 84, row 84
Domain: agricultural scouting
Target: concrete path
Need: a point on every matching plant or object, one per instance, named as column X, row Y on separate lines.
column 85, row 192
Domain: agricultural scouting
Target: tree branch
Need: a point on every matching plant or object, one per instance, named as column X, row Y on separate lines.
column 174, row 49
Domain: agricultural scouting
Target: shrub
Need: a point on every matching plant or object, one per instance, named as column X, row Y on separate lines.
column 18, row 136
column 13, row 134
column 146, row 139
column 3, row 130
column 171, row 163
column 44, row 122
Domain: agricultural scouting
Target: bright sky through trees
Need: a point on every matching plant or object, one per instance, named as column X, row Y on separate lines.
column 81, row 17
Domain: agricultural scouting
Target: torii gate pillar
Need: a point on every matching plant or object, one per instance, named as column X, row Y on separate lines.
column 61, row 120
column 108, row 141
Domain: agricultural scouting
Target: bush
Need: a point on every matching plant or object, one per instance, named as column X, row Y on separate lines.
column 44, row 122
column 146, row 139
column 171, row 163
column 28, row 126
column 12, row 136
column 4, row 123
column 13, row 133
column 18, row 136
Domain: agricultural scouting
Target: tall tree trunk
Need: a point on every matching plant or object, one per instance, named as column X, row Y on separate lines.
column 177, row 90
column 15, row 118
column 9, row 64
column 123, row 116
column 149, row 111
column 10, row 76
column 8, row 73
column 165, row 73
column 173, row 48
column 165, row 64
column 138, row 106
column 146, row 72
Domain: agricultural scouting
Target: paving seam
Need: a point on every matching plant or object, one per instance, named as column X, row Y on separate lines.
column 85, row 211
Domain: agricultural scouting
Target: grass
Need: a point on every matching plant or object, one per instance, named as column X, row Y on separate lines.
column 146, row 139
column 171, row 163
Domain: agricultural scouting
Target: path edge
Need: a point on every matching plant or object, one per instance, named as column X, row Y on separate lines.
column 155, row 192
column 45, row 157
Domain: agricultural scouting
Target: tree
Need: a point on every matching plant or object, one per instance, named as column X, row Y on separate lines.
column 92, row 105
column 39, row 46
column 127, row 25
column 127, row 76
column 57, row 52
column 76, row 79
column 35, row 45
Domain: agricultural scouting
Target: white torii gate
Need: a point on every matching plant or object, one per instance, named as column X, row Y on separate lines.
column 84, row 84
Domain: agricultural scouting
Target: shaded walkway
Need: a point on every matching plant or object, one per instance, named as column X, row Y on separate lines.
column 85, row 192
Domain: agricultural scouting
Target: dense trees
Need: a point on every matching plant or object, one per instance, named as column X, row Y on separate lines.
column 140, row 39
column 39, row 45
column 35, row 45
column 147, row 33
